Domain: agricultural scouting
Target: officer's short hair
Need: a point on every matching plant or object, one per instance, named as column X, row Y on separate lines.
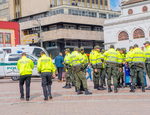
column 23, row 54
column 42, row 52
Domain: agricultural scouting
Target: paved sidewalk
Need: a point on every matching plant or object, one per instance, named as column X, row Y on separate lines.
column 66, row 101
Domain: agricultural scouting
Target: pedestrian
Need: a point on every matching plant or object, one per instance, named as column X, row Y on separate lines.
column 25, row 66
column 67, row 68
column 111, row 58
column 147, row 62
column 47, row 69
column 137, row 58
column 77, row 60
column 59, row 64
column 89, row 70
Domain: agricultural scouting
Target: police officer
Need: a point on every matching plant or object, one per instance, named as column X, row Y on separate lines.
column 111, row 58
column 103, row 75
column 120, row 73
column 137, row 57
column 67, row 68
column 147, row 62
column 47, row 69
column 84, row 65
column 25, row 67
column 76, row 63
column 93, row 60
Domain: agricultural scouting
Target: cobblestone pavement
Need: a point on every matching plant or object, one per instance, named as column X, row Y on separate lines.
column 66, row 101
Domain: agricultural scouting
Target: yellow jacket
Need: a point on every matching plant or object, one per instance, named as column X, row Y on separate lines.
column 147, row 54
column 76, row 59
column 137, row 56
column 45, row 64
column 25, row 66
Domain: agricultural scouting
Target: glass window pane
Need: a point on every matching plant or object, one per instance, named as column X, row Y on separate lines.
column 1, row 38
column 14, row 57
column 7, row 38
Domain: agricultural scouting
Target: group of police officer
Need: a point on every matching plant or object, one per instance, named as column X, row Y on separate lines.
column 108, row 63
column 104, row 63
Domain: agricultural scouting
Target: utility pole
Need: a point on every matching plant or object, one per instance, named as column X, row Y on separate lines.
column 39, row 24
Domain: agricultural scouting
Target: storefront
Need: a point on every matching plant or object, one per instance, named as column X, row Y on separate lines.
column 9, row 34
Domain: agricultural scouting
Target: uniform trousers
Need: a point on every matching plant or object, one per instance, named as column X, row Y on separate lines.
column 46, row 83
column 27, row 79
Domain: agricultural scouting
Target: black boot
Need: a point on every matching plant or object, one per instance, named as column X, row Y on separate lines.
column 115, row 89
column 79, row 92
column 104, row 83
column 109, row 89
column 65, row 86
column 95, row 86
column 75, row 89
column 72, row 84
column 132, row 89
column 143, row 88
column 148, row 88
column 81, row 87
column 101, row 87
column 68, row 86
column 50, row 97
column 87, row 92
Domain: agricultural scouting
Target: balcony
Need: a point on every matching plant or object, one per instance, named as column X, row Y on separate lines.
column 62, row 18
column 68, row 34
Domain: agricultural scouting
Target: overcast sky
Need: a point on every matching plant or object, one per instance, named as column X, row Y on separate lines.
column 114, row 5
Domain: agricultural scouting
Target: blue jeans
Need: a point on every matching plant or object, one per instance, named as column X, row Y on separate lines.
column 90, row 76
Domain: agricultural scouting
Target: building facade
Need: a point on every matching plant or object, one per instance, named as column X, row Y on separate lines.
column 4, row 10
column 9, row 34
column 132, row 27
column 63, row 23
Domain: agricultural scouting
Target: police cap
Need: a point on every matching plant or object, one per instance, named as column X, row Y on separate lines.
column 135, row 45
column 76, row 49
column 81, row 48
column 67, row 49
column 117, row 49
column 147, row 42
column 112, row 46
column 131, row 47
column 96, row 47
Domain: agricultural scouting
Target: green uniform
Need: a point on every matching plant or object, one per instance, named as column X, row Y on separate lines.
column 86, row 62
column 25, row 66
column 120, row 74
column 137, row 57
column 147, row 63
column 77, row 60
column 111, row 57
column 67, row 68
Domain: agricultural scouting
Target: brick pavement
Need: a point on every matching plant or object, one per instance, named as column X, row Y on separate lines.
column 66, row 102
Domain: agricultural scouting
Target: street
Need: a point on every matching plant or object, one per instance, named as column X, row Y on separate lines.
column 66, row 101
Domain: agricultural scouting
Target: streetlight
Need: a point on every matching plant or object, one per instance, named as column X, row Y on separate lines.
column 39, row 24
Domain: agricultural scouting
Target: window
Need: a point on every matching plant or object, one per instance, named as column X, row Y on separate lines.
column 88, row 44
column 7, row 38
column 7, row 50
column 67, row 26
column 123, row 36
column 102, row 15
column 92, row 1
column 84, row 28
column 105, row 2
column 101, row 2
column 98, row 28
column 96, row 1
column 52, row 44
column 37, row 51
column 53, row 27
column 138, row 33
column 1, row 37
column 71, row 43
column 14, row 57
column 32, row 58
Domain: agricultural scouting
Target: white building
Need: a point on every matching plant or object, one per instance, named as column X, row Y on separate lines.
column 132, row 27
